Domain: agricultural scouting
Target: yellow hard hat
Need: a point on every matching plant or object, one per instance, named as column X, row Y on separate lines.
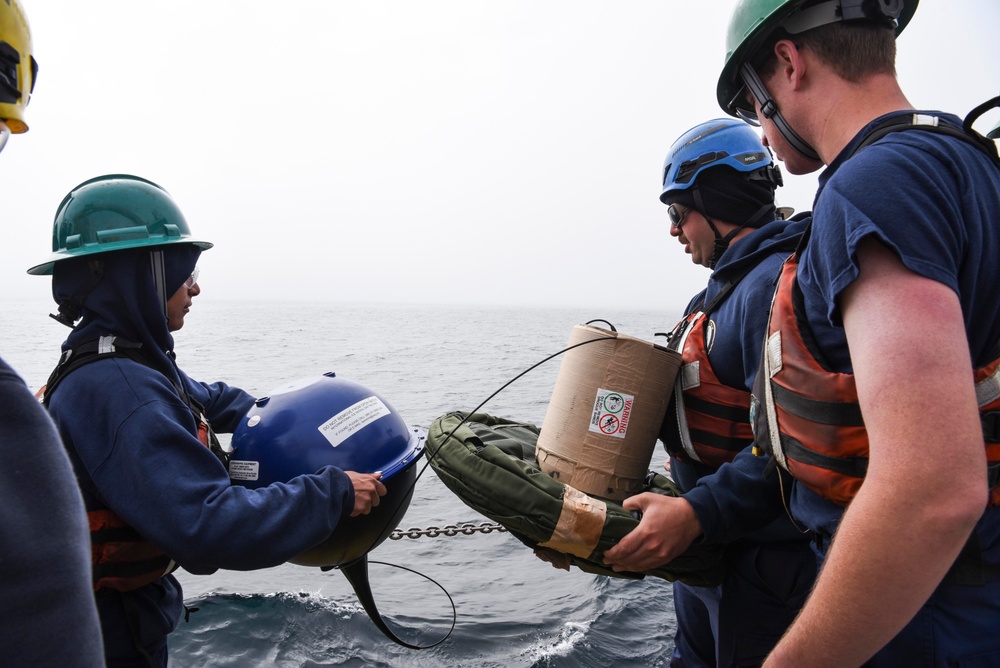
column 18, row 68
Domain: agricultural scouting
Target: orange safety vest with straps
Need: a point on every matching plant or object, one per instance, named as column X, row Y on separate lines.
column 808, row 417
column 712, row 419
column 710, row 422
column 121, row 558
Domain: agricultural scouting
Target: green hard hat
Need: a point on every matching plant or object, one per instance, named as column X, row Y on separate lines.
column 752, row 21
column 115, row 212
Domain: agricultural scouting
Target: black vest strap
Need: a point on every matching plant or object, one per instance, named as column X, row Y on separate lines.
column 728, row 413
column 789, row 245
column 991, row 426
column 92, row 351
column 824, row 412
column 905, row 122
column 855, row 467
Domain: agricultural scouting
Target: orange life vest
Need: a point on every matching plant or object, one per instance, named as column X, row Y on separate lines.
column 809, row 419
column 121, row 558
column 712, row 421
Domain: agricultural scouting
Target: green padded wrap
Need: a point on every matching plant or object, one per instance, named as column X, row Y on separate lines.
column 489, row 463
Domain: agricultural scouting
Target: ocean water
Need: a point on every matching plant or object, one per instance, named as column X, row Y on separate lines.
column 507, row 608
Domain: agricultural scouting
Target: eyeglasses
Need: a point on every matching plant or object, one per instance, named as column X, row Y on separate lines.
column 4, row 134
column 677, row 215
column 192, row 279
column 747, row 116
column 743, row 106
column 752, row 94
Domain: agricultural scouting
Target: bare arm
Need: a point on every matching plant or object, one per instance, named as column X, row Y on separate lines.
column 926, row 483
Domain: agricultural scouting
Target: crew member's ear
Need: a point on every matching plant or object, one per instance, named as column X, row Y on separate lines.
column 791, row 66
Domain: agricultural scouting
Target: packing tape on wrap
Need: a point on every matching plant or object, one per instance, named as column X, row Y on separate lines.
column 580, row 524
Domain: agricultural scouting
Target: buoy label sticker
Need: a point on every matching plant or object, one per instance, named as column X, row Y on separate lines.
column 611, row 413
column 353, row 419
column 244, row 470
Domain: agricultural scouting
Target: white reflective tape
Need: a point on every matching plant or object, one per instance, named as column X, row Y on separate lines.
column 773, row 352
column 685, row 432
column 105, row 345
column 772, row 357
column 988, row 389
column 925, row 119
column 690, row 375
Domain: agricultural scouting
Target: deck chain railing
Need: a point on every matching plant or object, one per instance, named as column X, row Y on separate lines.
column 465, row 529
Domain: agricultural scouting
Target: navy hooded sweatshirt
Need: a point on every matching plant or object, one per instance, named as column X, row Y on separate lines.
column 133, row 443
column 741, row 322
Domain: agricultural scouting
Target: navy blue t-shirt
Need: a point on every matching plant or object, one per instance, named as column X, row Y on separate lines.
column 934, row 200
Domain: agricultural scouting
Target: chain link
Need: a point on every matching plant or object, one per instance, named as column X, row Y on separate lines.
column 466, row 529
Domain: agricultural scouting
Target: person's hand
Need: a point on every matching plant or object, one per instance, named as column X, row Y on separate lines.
column 368, row 491
column 667, row 529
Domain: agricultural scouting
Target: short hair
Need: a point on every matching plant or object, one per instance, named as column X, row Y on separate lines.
column 855, row 50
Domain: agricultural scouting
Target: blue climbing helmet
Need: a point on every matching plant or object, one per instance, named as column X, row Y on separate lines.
column 304, row 426
column 721, row 169
column 722, row 141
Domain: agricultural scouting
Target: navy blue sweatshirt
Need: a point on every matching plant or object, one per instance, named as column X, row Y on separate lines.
column 133, row 442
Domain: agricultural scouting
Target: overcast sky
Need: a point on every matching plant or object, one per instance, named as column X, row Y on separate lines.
column 410, row 151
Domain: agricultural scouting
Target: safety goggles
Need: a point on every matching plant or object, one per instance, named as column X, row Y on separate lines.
column 4, row 134
column 677, row 214
column 192, row 279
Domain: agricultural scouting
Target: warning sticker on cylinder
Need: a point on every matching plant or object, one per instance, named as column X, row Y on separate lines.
column 243, row 470
column 611, row 413
column 353, row 419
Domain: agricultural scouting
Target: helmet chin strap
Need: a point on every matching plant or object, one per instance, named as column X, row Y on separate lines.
column 722, row 242
column 769, row 110
column 159, row 278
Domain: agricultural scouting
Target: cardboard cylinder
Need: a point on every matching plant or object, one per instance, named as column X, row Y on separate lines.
column 606, row 411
